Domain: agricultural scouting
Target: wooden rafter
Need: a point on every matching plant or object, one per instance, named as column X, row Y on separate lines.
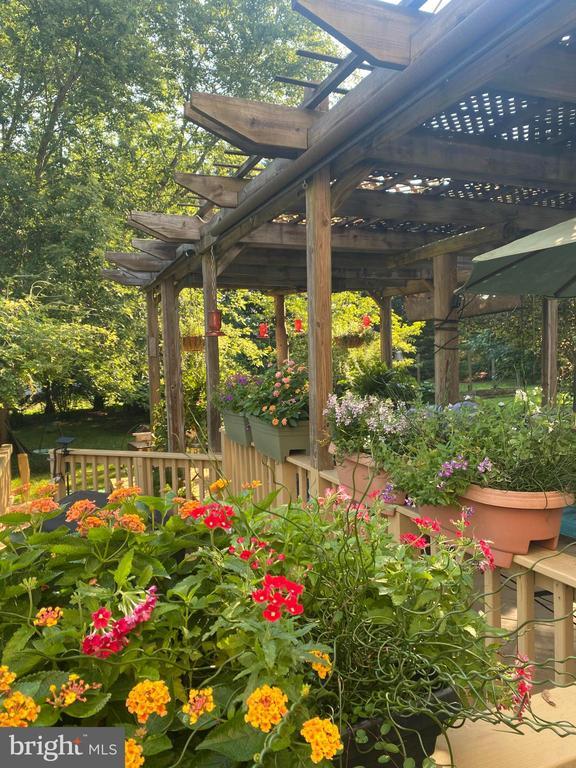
column 380, row 32
column 270, row 129
column 551, row 74
column 221, row 191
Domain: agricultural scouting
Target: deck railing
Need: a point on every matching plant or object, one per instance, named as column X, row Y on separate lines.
column 5, row 476
column 83, row 469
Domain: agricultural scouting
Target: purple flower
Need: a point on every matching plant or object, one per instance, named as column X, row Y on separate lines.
column 485, row 466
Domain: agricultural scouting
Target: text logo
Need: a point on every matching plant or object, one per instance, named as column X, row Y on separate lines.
column 62, row 747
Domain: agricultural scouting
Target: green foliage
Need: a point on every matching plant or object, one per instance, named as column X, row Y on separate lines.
column 231, row 611
column 375, row 378
column 279, row 395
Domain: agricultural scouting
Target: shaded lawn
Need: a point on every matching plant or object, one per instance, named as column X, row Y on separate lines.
column 110, row 429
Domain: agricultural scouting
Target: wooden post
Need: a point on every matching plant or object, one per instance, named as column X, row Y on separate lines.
column 549, row 351
column 446, row 356
column 281, row 335
column 211, row 351
column 172, row 366
column 153, row 340
column 385, row 304
column 319, row 276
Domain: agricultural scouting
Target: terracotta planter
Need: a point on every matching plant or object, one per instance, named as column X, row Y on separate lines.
column 358, row 475
column 511, row 520
column 278, row 442
column 237, row 428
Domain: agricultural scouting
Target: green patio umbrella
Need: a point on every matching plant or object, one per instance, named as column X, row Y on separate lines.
column 542, row 264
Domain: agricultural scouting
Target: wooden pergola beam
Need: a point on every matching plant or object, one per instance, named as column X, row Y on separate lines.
column 135, row 261
column 123, row 277
column 221, row 191
column 471, row 161
column 381, row 33
column 548, row 75
column 268, row 129
column 158, row 248
column 457, row 244
column 185, row 229
column 166, row 227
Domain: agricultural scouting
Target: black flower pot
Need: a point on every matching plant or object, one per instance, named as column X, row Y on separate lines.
column 416, row 738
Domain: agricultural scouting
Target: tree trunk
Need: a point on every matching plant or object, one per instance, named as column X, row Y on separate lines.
column 49, row 407
column 98, row 402
column 4, row 425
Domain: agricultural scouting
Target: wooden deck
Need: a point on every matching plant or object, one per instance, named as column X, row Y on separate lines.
column 480, row 745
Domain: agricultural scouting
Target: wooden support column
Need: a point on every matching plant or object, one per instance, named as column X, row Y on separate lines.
column 446, row 353
column 211, row 351
column 319, row 277
column 385, row 304
column 549, row 351
column 281, row 335
column 153, row 343
column 172, row 356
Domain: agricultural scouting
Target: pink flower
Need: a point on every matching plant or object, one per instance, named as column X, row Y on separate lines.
column 428, row 524
column 101, row 617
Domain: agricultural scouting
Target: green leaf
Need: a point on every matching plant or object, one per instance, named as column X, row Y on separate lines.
column 409, row 763
column 213, row 760
column 90, row 707
column 235, row 739
column 14, row 656
column 15, row 518
column 385, row 728
column 156, row 744
column 123, row 570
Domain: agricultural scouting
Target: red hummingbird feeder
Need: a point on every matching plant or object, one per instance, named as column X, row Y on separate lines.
column 263, row 331
column 215, row 323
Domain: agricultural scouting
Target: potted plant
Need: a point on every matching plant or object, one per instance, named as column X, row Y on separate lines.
column 512, row 466
column 357, row 426
column 231, row 401
column 278, row 411
column 283, row 636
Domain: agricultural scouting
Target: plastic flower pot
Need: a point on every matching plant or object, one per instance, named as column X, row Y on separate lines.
column 278, row 442
column 237, row 428
column 418, row 735
column 359, row 476
column 511, row 520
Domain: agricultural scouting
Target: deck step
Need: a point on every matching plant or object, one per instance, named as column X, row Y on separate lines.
column 481, row 745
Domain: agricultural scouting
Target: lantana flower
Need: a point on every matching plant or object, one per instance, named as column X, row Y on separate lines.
column 323, row 667
column 74, row 689
column 323, row 737
column 147, row 698
column 121, row 494
column 266, row 707
column 7, row 677
column 133, row 754
column 279, row 593
column 200, row 702
column 48, row 617
column 104, row 643
column 19, row 711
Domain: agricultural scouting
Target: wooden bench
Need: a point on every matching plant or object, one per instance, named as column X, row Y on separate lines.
column 481, row 745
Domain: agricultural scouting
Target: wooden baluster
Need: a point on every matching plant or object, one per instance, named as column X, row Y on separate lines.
column 563, row 633
column 107, row 486
column 493, row 597
column 83, row 478
column 118, row 472
column 70, row 465
column 525, row 598
column 187, row 479
column 174, row 483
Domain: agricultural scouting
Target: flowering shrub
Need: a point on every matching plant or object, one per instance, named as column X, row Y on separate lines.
column 513, row 446
column 280, row 397
column 359, row 424
column 227, row 633
column 233, row 392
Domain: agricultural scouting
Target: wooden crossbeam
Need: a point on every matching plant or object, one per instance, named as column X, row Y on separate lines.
column 421, row 307
column 435, row 210
column 158, row 248
column 483, row 236
column 166, row 227
column 378, row 31
column 273, row 130
column 135, row 261
column 478, row 162
column 550, row 74
column 184, row 229
column 221, row 191
column 125, row 278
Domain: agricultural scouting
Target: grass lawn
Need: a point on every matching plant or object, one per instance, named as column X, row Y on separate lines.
column 110, row 429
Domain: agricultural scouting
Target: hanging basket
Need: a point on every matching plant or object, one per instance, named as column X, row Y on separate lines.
column 350, row 340
column 192, row 343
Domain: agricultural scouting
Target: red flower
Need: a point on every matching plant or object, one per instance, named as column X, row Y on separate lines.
column 272, row 612
column 101, row 618
column 418, row 542
column 488, row 561
column 428, row 524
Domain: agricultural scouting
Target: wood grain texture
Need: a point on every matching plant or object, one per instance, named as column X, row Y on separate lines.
column 446, row 352
column 280, row 325
column 211, row 351
column 153, row 343
column 171, row 348
column 319, row 268
column 549, row 351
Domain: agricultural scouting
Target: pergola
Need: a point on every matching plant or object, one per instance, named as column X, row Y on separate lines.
column 459, row 136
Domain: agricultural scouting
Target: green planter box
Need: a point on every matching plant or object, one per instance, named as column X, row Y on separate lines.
column 237, row 428
column 278, row 442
